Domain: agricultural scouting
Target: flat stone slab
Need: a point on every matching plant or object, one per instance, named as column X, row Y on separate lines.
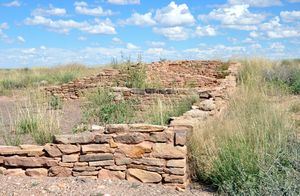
column 18, row 161
column 96, row 157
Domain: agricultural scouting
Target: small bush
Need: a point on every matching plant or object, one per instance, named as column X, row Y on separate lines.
column 27, row 124
column 103, row 109
column 136, row 75
column 222, row 70
column 55, row 103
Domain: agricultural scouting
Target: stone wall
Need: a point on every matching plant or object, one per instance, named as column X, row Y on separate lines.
column 135, row 152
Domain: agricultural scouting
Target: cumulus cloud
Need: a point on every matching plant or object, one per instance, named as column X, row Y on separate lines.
column 277, row 46
column 116, row 40
column 3, row 36
column 139, row 20
column 256, row 3
column 291, row 16
column 65, row 26
column 51, row 11
column 174, row 15
column 236, row 17
column 131, row 46
column 21, row 39
column 205, row 31
column 173, row 33
column 123, row 2
column 155, row 44
column 11, row 4
column 82, row 8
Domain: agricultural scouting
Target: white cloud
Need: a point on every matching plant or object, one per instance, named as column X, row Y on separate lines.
column 82, row 8
column 64, row 26
column 51, row 11
column 173, row 33
column 205, row 31
column 236, row 16
column 156, row 44
column 21, row 39
column 139, row 20
column 256, row 3
column 82, row 38
column 290, row 16
column 11, row 4
column 3, row 36
column 4, row 25
column 174, row 15
column 131, row 46
column 123, row 2
column 116, row 40
column 277, row 46
column 256, row 46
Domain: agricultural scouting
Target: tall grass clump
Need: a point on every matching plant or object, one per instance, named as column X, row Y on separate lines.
column 103, row 108
column 252, row 149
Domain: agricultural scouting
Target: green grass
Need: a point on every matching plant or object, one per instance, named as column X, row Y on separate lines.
column 103, row 109
column 252, row 148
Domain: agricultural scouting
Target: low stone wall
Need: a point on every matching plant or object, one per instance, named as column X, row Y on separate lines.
column 135, row 152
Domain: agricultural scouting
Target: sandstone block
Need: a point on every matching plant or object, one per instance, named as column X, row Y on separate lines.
column 157, row 169
column 176, row 171
column 98, row 128
column 131, row 151
column 143, row 176
column 37, row 172
column 176, row 163
column 174, row 178
column 1, row 160
column 168, row 151
column 96, row 148
column 116, row 167
column 15, row 172
column 11, row 150
column 130, row 138
column 66, row 164
column 96, row 157
column 180, row 137
column 107, row 174
column 116, row 128
column 70, row 158
column 146, row 128
column 80, row 138
column 68, row 148
column 102, row 138
column 2, row 171
column 52, row 150
column 150, row 161
column 102, row 163
column 85, row 173
column 33, row 150
column 121, row 159
column 84, row 168
column 18, row 161
column 81, row 164
column 59, row 171
column 160, row 137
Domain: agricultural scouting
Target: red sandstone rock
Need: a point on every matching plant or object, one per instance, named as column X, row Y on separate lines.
column 59, row 171
column 143, row 176
column 18, row 161
column 168, row 151
column 68, row 148
column 36, row 172
column 107, row 174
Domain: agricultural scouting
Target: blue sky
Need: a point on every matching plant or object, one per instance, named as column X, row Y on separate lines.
column 46, row 33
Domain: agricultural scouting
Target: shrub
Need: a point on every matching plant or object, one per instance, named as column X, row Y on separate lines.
column 103, row 109
column 55, row 103
column 252, row 150
column 136, row 75
column 27, row 124
column 222, row 70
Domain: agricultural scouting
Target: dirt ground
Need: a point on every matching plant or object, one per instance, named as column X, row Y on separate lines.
column 26, row 186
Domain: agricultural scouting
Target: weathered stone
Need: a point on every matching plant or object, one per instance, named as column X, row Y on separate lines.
column 174, row 170
column 107, row 174
column 174, row 178
column 96, row 148
column 148, row 168
column 168, row 151
column 66, row 164
column 33, row 150
column 180, row 137
column 207, row 105
column 98, row 128
column 85, row 173
column 18, row 161
column 143, row 176
column 59, row 171
column 176, row 163
column 130, row 138
column 132, row 151
column 36, row 172
column 80, row 138
column 52, row 150
column 102, row 138
column 11, row 150
column 113, row 144
column 68, row 148
column 150, row 161
column 70, row 158
column 146, row 128
column 121, row 159
column 2, row 170
column 102, row 163
column 1, row 160
column 147, row 146
column 85, row 168
column 96, row 157
column 116, row 168
column 81, row 164
column 15, row 172
column 116, row 128
column 159, row 137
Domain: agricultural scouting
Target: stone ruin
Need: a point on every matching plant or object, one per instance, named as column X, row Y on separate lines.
column 134, row 152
